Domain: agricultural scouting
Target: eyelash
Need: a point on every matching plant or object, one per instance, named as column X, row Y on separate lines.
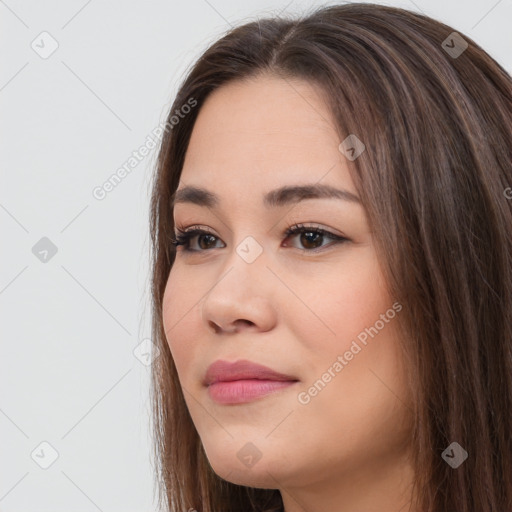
column 183, row 237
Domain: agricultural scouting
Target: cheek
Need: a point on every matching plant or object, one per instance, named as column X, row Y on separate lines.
column 177, row 314
column 355, row 318
column 346, row 299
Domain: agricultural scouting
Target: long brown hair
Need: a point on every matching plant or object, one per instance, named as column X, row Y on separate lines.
column 434, row 111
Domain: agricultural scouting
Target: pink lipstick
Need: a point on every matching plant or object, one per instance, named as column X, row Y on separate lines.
column 243, row 381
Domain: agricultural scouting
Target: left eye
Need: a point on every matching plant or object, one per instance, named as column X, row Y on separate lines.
column 311, row 238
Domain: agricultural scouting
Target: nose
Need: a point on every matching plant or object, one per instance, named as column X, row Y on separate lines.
column 243, row 298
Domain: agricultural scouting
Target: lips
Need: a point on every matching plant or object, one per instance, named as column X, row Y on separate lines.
column 224, row 371
column 242, row 382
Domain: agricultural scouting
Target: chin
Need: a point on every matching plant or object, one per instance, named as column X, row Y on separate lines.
column 248, row 477
column 244, row 467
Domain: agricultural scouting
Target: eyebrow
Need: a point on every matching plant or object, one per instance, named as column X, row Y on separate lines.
column 275, row 198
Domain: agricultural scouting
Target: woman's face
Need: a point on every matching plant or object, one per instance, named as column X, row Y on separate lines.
column 304, row 305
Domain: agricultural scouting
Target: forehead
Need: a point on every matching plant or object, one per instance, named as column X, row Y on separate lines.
column 263, row 133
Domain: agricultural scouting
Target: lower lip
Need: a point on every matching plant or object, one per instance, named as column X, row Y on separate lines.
column 241, row 391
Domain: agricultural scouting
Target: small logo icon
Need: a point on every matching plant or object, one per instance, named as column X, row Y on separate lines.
column 44, row 45
column 249, row 455
column 44, row 250
column 146, row 352
column 352, row 147
column 454, row 455
column 454, row 45
column 249, row 249
column 44, row 455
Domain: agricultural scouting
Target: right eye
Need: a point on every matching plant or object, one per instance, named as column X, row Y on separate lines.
column 184, row 237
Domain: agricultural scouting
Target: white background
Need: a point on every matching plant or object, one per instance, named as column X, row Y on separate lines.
column 68, row 375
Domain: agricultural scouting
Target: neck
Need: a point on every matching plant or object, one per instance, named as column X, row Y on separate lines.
column 385, row 486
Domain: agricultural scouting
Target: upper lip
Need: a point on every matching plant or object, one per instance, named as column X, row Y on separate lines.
column 224, row 371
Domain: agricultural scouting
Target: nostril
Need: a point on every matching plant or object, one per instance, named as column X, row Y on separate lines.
column 216, row 328
column 233, row 327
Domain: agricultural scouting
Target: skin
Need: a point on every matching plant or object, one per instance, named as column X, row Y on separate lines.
column 291, row 310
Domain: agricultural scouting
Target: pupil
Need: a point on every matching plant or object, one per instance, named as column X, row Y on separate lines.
column 205, row 236
column 310, row 234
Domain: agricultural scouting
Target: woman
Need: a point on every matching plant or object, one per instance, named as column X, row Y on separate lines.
column 332, row 272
